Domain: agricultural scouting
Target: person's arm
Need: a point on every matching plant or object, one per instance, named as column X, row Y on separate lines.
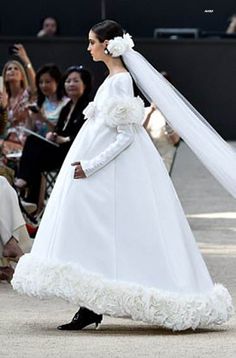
column 232, row 26
column 40, row 116
column 124, row 138
column 121, row 111
column 122, row 114
column 147, row 119
column 22, row 54
column 54, row 137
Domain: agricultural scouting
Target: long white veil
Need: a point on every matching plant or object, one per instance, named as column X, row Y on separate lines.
column 217, row 155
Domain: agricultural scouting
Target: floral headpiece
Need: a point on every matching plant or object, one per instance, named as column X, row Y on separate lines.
column 119, row 45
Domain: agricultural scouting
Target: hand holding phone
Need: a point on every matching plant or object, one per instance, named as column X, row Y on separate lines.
column 34, row 108
column 12, row 50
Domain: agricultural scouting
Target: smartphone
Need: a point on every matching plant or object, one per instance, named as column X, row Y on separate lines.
column 1, row 84
column 12, row 50
column 34, row 108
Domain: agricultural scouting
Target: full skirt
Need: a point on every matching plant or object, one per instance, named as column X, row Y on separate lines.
column 118, row 243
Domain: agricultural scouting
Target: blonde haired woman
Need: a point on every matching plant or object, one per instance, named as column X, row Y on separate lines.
column 19, row 86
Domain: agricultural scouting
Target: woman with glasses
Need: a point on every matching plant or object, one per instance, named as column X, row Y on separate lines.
column 39, row 155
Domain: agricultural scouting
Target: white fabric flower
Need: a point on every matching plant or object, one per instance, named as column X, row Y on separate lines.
column 127, row 110
column 119, row 45
column 90, row 111
column 49, row 278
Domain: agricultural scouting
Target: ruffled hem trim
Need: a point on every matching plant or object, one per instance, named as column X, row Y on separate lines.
column 36, row 277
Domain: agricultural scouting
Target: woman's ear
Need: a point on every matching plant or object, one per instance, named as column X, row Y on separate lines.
column 106, row 42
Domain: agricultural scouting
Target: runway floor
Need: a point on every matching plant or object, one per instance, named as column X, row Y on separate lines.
column 27, row 325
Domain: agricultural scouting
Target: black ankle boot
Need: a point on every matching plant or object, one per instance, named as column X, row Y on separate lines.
column 83, row 318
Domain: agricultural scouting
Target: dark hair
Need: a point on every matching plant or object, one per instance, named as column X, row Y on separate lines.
column 53, row 18
column 85, row 77
column 107, row 30
column 55, row 73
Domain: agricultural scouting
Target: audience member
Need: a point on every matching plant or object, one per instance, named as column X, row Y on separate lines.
column 19, row 87
column 14, row 238
column 232, row 26
column 163, row 136
column 49, row 26
column 50, row 99
column 38, row 155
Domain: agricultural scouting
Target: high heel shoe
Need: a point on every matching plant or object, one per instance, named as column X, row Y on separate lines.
column 83, row 318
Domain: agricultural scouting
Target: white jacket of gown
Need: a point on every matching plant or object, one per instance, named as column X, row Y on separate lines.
column 118, row 242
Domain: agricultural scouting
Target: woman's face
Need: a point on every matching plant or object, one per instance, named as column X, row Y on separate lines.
column 13, row 73
column 96, row 48
column 74, row 86
column 47, row 85
column 50, row 26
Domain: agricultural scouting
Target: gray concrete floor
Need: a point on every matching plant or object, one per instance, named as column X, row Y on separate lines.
column 27, row 325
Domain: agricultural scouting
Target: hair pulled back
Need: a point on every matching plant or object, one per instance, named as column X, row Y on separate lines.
column 107, row 30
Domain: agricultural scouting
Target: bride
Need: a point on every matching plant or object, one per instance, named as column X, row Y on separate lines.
column 114, row 238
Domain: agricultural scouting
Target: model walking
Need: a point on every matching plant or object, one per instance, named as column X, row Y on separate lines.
column 114, row 238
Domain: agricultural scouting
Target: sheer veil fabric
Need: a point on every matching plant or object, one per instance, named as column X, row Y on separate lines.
column 118, row 242
column 217, row 155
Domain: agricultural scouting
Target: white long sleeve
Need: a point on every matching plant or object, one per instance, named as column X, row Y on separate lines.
column 124, row 138
column 121, row 111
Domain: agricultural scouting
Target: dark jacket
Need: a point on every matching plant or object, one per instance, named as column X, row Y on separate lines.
column 70, row 128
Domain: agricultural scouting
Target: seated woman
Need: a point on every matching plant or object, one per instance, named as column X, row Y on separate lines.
column 50, row 99
column 165, row 139
column 14, row 238
column 163, row 136
column 39, row 155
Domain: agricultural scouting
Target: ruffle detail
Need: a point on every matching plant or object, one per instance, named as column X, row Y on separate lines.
column 124, row 110
column 118, row 111
column 90, row 111
column 37, row 277
column 120, row 44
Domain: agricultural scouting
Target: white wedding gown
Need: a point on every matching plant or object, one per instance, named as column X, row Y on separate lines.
column 118, row 242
